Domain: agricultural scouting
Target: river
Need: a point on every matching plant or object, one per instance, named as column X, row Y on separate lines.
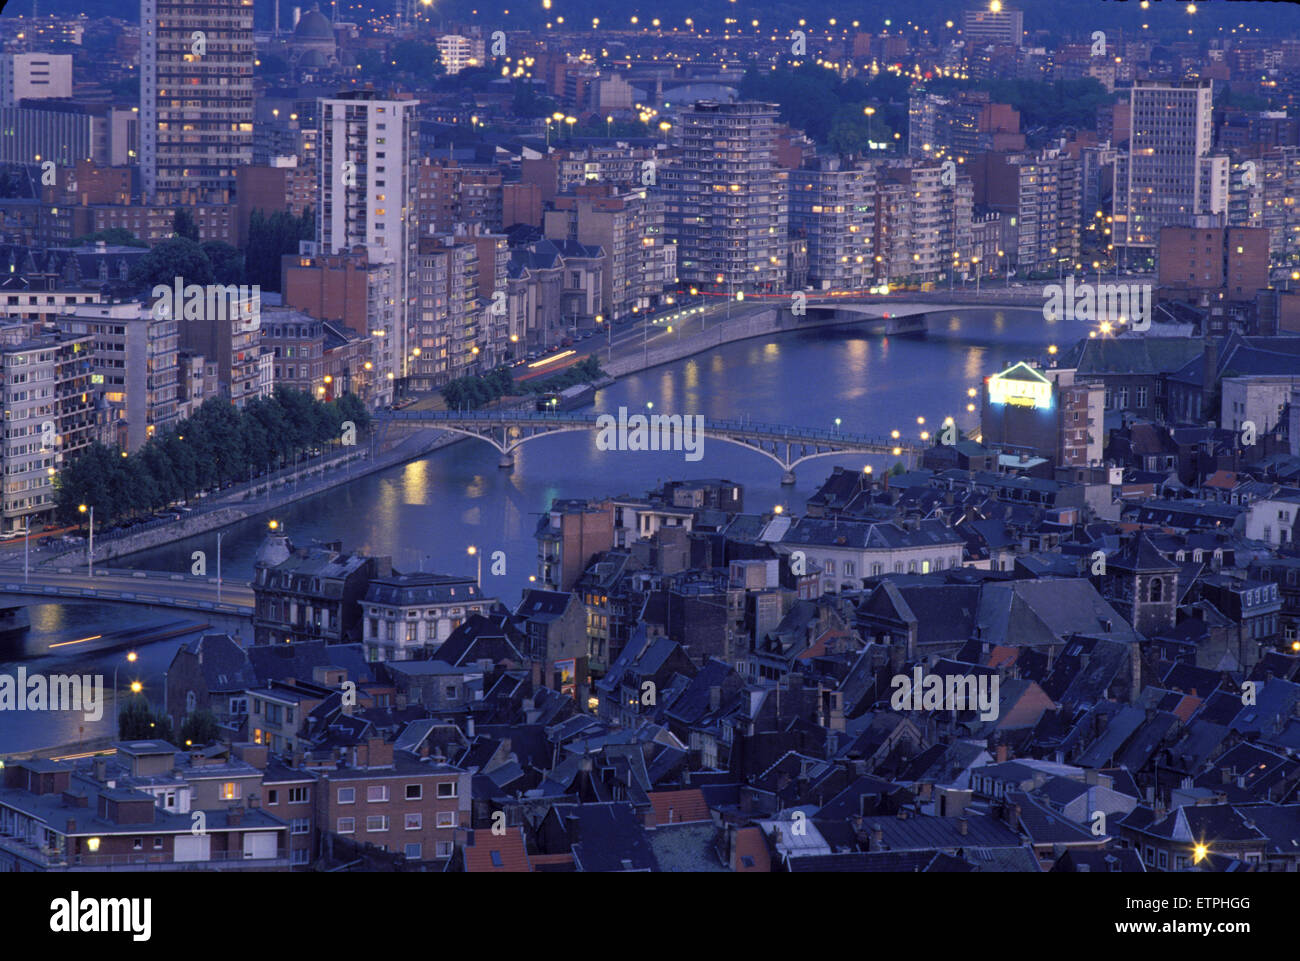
column 426, row 514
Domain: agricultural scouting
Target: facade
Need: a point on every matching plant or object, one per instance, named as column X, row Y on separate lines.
column 1167, row 177
column 406, row 613
column 311, row 593
column 49, row 416
column 296, row 342
column 415, row 807
column 833, row 208
column 196, row 105
column 447, row 319
column 34, row 76
column 726, row 207
column 136, row 369
column 1038, row 197
column 366, row 167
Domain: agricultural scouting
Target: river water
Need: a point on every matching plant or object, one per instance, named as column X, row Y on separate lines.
column 426, row 514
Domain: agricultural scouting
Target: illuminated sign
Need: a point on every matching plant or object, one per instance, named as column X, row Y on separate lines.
column 1021, row 386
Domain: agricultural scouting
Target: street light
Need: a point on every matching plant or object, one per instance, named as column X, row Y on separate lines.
column 472, row 551
column 131, row 656
column 220, row 535
column 90, row 552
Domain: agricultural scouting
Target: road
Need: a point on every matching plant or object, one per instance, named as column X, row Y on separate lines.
column 139, row 587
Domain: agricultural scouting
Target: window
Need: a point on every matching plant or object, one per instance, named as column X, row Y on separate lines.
column 447, row 789
column 444, row 849
column 300, row 856
column 157, row 844
column 412, row 852
column 298, row 795
column 347, row 795
column 446, row 819
column 377, row 793
column 347, row 825
column 137, row 844
column 414, row 792
column 1157, row 587
column 230, row 791
column 414, row 822
column 377, row 822
column 300, row 826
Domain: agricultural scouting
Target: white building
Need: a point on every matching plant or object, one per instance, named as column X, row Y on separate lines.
column 846, row 551
column 367, row 152
column 1167, row 177
column 34, row 76
column 1258, row 399
column 459, row 53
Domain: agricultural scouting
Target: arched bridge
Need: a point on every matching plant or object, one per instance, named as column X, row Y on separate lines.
column 787, row 446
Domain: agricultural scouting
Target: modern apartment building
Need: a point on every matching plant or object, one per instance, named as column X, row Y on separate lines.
column 367, row 150
column 726, row 206
column 447, row 318
column 993, row 24
column 196, row 98
column 1168, row 175
column 45, row 392
column 136, row 369
column 1038, row 196
column 833, row 208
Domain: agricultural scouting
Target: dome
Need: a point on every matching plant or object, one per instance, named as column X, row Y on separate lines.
column 274, row 550
column 313, row 58
column 314, row 25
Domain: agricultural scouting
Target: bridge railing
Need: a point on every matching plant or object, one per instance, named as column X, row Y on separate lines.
column 774, row 431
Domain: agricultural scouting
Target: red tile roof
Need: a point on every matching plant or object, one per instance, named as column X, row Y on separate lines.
column 509, row 849
column 679, row 807
column 750, row 843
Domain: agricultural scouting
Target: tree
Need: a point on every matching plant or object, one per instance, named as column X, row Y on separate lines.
column 270, row 237
column 177, row 257
column 199, row 728
column 184, row 225
column 113, row 236
column 227, row 262
column 137, row 721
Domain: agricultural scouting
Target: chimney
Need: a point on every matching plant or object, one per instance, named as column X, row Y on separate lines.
column 715, row 698
column 963, row 823
column 469, row 727
column 1001, row 753
column 101, row 769
column 71, row 827
column 236, row 816
column 877, row 838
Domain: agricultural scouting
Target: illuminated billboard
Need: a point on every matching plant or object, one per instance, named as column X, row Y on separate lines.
column 1020, row 386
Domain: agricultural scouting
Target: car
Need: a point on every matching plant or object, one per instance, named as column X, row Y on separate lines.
column 567, row 342
column 534, row 354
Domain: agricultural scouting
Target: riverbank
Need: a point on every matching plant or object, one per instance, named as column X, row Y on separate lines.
column 265, row 497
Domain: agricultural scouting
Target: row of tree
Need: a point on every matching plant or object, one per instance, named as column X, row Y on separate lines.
column 469, row 393
column 218, row 445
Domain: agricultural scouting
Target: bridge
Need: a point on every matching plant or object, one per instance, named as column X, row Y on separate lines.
column 786, row 446
column 157, row 588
